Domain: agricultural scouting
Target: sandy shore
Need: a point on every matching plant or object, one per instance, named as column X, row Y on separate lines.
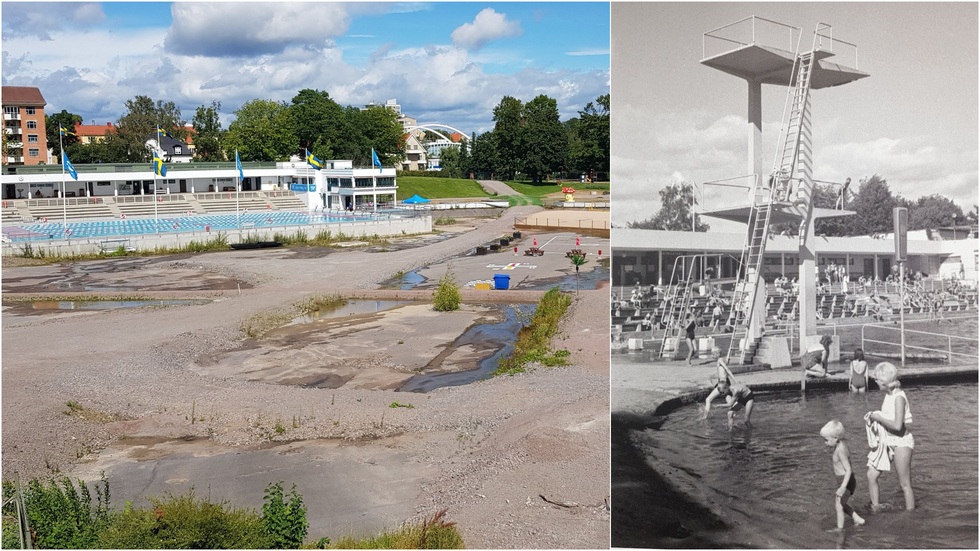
column 173, row 398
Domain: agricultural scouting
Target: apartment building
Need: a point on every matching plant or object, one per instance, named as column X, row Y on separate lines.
column 26, row 141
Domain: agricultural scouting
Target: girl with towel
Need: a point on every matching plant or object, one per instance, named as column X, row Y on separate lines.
column 833, row 435
column 894, row 417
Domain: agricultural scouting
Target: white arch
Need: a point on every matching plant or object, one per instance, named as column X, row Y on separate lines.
column 431, row 126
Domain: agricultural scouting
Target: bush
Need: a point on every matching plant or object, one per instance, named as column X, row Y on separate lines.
column 185, row 522
column 446, row 297
column 534, row 339
column 284, row 524
column 430, row 534
column 60, row 517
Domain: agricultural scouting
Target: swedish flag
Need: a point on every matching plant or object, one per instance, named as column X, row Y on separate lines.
column 313, row 161
column 65, row 132
column 161, row 132
column 158, row 166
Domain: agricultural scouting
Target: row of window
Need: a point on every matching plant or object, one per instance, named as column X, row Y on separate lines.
column 15, row 110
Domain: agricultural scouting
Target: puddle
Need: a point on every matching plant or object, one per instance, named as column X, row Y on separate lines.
column 501, row 335
column 405, row 282
column 349, row 308
column 108, row 304
column 588, row 280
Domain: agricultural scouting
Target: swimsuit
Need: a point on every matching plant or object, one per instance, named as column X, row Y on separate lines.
column 741, row 394
column 851, row 484
column 690, row 330
column 857, row 379
column 888, row 411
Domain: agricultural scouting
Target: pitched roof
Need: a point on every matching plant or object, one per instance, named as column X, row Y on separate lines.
column 94, row 129
column 22, row 95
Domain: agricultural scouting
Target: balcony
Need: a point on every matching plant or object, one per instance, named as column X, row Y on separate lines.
column 11, row 116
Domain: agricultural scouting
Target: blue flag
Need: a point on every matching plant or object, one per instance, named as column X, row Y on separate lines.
column 313, row 161
column 161, row 132
column 158, row 167
column 375, row 160
column 68, row 166
column 238, row 164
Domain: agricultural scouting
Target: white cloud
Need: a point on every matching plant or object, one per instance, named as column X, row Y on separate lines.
column 40, row 19
column 487, row 26
column 245, row 28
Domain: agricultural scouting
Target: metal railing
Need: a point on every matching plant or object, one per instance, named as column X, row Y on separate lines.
column 748, row 31
column 948, row 351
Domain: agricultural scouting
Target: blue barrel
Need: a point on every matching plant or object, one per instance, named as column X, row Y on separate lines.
column 501, row 281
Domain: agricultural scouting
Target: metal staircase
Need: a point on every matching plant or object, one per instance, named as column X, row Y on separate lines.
column 678, row 299
column 793, row 164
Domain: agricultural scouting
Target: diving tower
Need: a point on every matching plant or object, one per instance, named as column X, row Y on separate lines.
column 761, row 51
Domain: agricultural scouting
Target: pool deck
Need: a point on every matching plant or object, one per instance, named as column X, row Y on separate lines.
column 642, row 391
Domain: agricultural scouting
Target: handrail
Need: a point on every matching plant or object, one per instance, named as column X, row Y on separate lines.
column 753, row 34
column 949, row 340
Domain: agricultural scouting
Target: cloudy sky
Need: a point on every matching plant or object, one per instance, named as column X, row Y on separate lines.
column 449, row 63
column 913, row 121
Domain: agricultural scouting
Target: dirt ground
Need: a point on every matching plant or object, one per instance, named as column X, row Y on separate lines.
column 165, row 399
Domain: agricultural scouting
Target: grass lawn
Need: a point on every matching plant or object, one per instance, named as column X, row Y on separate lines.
column 438, row 188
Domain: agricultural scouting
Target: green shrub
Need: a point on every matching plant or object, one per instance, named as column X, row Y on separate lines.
column 60, row 516
column 534, row 339
column 446, row 297
column 430, row 534
column 185, row 522
column 284, row 524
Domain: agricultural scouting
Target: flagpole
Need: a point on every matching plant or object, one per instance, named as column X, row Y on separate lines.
column 238, row 190
column 64, row 199
column 156, row 219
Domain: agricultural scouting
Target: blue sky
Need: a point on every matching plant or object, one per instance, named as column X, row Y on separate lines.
column 443, row 62
column 913, row 121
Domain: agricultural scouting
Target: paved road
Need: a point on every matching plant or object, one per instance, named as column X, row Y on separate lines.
column 500, row 188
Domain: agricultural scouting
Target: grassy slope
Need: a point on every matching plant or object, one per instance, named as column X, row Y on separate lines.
column 438, row 188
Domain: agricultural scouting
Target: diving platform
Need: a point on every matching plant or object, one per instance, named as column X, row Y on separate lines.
column 769, row 65
column 781, row 213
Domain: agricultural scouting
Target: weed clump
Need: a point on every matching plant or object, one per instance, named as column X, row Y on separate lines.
column 446, row 297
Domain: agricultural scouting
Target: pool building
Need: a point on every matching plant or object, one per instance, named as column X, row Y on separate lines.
column 338, row 186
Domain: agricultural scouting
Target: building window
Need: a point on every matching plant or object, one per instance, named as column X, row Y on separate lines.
column 177, row 150
column 32, row 138
column 11, row 110
column 29, row 110
column 31, row 125
column 33, row 152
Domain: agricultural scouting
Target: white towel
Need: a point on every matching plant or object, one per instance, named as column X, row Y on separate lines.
column 880, row 456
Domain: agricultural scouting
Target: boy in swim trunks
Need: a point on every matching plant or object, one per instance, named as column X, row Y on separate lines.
column 833, row 435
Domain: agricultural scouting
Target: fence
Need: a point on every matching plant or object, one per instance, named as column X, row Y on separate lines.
column 960, row 347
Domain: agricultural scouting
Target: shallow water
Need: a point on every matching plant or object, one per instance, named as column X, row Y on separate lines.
column 348, row 307
column 776, row 477
column 502, row 334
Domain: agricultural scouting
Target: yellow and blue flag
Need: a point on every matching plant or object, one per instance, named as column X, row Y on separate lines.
column 238, row 165
column 158, row 166
column 161, row 132
column 68, row 166
column 375, row 160
column 64, row 132
column 313, row 161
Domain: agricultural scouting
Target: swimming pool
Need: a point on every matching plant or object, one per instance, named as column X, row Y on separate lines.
column 179, row 224
column 776, row 479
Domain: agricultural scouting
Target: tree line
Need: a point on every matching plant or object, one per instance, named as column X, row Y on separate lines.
column 528, row 139
column 873, row 202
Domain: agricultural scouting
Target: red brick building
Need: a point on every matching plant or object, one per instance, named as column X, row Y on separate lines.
column 23, row 124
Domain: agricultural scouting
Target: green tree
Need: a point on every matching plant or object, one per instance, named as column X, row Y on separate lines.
column 262, row 131
column 139, row 125
column 675, row 210
column 546, row 142
column 934, row 211
column 382, row 132
column 319, row 122
column 483, row 155
column 589, row 137
column 207, row 126
column 509, row 136
column 450, row 160
column 53, row 122
column 874, row 202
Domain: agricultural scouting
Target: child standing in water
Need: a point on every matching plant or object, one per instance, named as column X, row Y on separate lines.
column 858, row 381
column 736, row 395
column 894, row 417
column 833, row 435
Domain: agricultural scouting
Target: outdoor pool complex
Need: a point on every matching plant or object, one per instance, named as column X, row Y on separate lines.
column 170, row 224
column 776, row 479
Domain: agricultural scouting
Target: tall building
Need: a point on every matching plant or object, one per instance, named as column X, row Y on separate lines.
column 23, row 124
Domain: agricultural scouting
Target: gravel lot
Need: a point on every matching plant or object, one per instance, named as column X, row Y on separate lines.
column 521, row 462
